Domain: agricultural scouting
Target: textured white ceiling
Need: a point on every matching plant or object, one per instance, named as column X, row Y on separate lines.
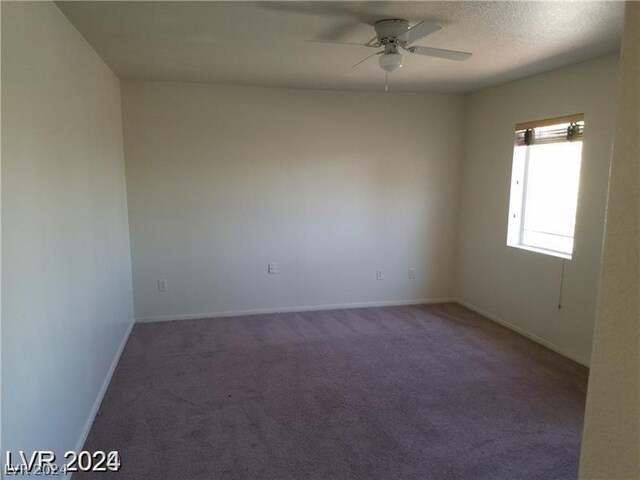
column 266, row 43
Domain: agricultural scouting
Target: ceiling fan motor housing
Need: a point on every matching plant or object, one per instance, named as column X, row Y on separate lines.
column 389, row 30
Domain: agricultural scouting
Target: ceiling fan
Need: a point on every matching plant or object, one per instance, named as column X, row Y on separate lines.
column 395, row 35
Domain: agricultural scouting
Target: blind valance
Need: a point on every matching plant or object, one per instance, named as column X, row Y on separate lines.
column 553, row 130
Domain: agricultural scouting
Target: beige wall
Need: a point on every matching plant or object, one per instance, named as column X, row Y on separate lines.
column 66, row 294
column 515, row 286
column 611, row 444
column 330, row 185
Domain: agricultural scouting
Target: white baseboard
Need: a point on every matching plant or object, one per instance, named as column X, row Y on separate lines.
column 307, row 308
column 103, row 390
column 522, row 331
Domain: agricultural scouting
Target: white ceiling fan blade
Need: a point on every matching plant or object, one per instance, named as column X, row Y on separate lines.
column 440, row 53
column 418, row 31
column 338, row 31
column 367, row 58
column 331, row 42
column 358, row 12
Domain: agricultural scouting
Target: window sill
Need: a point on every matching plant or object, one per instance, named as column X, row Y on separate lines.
column 551, row 253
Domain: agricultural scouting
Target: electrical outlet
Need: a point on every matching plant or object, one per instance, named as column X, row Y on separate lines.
column 412, row 273
column 162, row 285
column 379, row 274
column 272, row 268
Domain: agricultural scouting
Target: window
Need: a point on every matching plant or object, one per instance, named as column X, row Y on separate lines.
column 544, row 185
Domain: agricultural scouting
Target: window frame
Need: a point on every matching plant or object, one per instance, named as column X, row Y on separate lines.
column 520, row 174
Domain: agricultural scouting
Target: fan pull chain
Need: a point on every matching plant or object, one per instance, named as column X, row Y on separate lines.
column 561, row 285
column 386, row 81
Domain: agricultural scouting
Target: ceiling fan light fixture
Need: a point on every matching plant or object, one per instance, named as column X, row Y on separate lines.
column 390, row 61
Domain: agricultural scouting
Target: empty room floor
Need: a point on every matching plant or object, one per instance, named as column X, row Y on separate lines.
column 411, row 392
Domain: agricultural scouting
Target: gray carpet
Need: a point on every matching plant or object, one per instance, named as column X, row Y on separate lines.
column 420, row 392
